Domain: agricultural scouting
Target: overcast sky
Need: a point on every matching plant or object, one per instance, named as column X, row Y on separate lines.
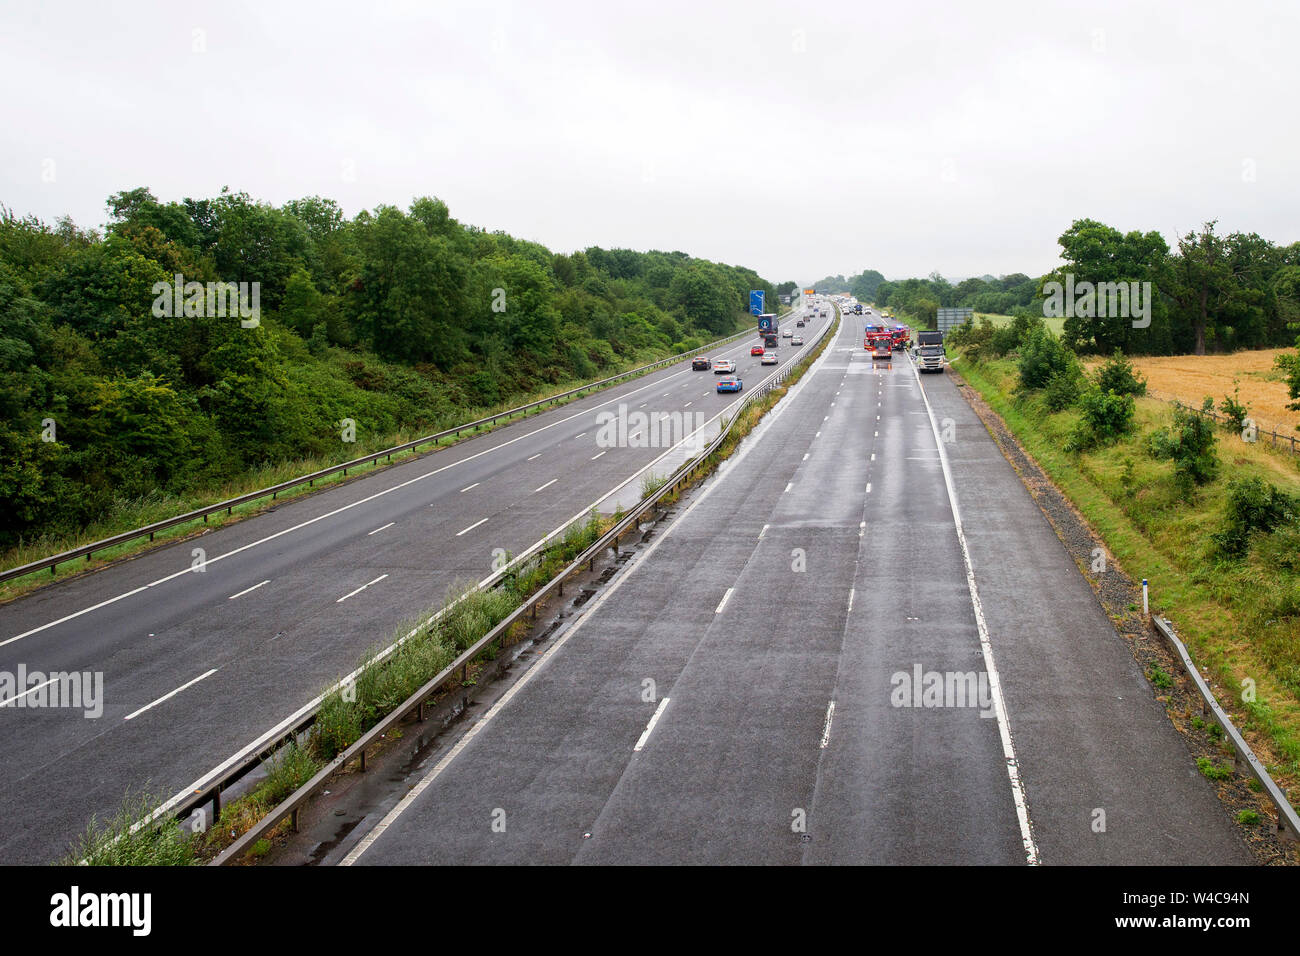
column 800, row 139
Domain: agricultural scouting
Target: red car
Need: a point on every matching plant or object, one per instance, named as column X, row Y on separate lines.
column 756, row 350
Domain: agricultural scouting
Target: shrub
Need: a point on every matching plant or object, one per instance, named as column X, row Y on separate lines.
column 1190, row 443
column 1116, row 375
column 1041, row 355
column 1234, row 409
column 1107, row 417
column 1253, row 505
column 1063, row 389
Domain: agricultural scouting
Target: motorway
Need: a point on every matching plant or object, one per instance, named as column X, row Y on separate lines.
column 736, row 695
column 202, row 659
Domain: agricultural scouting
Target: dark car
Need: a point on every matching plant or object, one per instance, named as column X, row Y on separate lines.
column 700, row 363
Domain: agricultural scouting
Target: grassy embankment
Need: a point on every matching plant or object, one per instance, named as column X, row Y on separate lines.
column 1240, row 618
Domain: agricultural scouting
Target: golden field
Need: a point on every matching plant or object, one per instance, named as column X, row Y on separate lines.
column 1190, row 378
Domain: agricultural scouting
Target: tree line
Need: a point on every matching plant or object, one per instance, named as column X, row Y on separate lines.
column 1209, row 293
column 400, row 320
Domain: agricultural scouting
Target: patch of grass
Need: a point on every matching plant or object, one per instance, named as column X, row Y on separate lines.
column 1212, row 771
column 118, row 842
column 1248, row 818
column 1159, row 678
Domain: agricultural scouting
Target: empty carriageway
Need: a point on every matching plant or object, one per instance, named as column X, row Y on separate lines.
column 728, row 700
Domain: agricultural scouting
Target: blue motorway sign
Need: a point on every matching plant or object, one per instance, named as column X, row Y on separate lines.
column 756, row 302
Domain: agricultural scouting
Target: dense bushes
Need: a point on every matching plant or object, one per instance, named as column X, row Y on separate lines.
column 400, row 321
column 1190, row 443
column 1253, row 505
column 1042, row 356
column 1107, row 417
column 1116, row 375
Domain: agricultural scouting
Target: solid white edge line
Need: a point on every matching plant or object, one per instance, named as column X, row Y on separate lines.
column 995, row 682
column 826, row 728
column 172, row 694
column 723, row 603
column 247, row 590
column 384, row 528
column 645, row 734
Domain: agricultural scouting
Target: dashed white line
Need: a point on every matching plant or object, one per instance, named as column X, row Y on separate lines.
column 826, row 728
column 764, row 531
column 172, row 694
column 805, row 455
column 538, row 455
column 645, row 734
column 547, row 485
column 384, row 528
column 594, row 457
column 247, row 590
column 687, row 405
column 471, row 527
column 368, row 583
column 476, row 484
column 852, row 591
column 723, row 603
column 789, row 486
column 868, row 488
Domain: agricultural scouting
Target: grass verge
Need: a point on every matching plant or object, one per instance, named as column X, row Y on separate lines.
column 1239, row 618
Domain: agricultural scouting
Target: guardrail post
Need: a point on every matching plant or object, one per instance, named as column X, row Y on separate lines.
column 216, row 805
column 363, row 759
column 293, row 820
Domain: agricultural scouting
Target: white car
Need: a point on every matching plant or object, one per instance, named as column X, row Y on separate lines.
column 724, row 367
column 797, row 340
column 787, row 333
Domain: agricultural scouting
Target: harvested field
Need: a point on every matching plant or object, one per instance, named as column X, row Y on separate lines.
column 1189, row 378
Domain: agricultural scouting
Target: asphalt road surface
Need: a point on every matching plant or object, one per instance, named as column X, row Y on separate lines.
column 795, row 671
column 198, row 665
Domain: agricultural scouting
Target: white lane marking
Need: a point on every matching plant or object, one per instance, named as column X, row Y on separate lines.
column 248, row 590
column 583, row 435
column 645, row 734
column 818, row 435
column 687, row 405
column 643, row 405
column 873, row 456
column 877, row 434
column 826, row 419
column 590, row 609
column 594, row 457
column 471, row 527
column 384, row 528
column 476, row 484
column 826, row 728
column 172, row 694
column 764, row 531
column 805, row 455
column 538, row 455
column 545, row 486
column 788, row 487
column 30, row 690
column 995, row 682
column 868, row 491
column 364, row 586
column 851, row 593
column 723, row 603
